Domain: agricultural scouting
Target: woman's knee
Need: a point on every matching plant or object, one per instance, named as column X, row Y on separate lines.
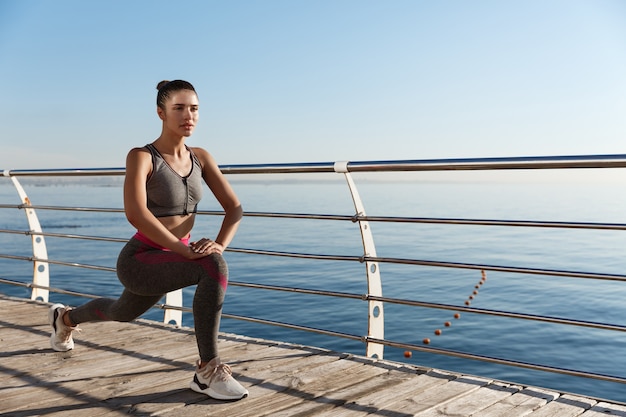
column 218, row 262
column 215, row 266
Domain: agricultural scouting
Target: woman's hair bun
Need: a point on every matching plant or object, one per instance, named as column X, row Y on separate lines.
column 162, row 84
column 167, row 88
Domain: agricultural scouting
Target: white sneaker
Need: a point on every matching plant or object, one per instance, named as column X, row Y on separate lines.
column 61, row 337
column 216, row 381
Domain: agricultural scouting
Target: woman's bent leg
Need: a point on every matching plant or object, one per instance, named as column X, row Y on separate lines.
column 145, row 270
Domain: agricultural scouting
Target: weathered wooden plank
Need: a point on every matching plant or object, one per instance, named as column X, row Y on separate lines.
column 123, row 335
column 604, row 409
column 422, row 401
column 122, row 364
column 23, row 361
column 248, row 352
column 78, row 413
column 384, row 400
column 147, row 387
column 270, row 377
column 14, row 336
column 64, row 383
column 356, row 399
column 294, row 387
column 154, row 407
column 18, row 307
column 72, row 397
column 565, row 406
column 313, row 394
column 19, row 336
column 23, row 334
column 103, row 386
column 519, row 404
column 469, row 405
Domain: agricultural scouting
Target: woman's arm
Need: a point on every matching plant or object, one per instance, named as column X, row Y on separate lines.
column 227, row 198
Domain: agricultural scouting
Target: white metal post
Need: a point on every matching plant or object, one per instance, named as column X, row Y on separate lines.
column 174, row 298
column 41, row 274
column 376, row 317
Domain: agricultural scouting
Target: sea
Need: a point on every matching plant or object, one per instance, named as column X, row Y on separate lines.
column 564, row 196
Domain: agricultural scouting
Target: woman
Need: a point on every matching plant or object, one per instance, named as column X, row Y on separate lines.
column 162, row 187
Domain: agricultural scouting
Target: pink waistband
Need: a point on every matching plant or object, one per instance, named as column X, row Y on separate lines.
column 144, row 239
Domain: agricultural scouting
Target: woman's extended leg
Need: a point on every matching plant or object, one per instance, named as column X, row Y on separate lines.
column 65, row 320
column 126, row 308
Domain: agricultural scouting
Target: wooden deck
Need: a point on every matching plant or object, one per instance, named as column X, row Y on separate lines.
column 144, row 368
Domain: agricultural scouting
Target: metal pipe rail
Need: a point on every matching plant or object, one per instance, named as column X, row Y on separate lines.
column 451, row 164
column 455, row 164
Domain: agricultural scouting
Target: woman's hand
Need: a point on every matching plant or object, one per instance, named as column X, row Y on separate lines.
column 205, row 247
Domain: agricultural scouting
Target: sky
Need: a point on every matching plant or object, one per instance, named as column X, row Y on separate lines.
column 313, row 81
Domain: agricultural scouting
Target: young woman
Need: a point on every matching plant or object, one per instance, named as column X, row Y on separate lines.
column 162, row 187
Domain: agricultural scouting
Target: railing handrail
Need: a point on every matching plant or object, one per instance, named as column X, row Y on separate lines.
column 374, row 338
column 450, row 164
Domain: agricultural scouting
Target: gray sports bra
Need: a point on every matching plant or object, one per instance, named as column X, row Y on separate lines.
column 168, row 193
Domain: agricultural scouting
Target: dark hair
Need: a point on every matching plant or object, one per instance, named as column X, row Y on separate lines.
column 168, row 87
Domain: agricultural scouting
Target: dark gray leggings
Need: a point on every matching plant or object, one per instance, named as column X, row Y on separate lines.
column 147, row 274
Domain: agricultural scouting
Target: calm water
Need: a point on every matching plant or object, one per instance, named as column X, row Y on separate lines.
column 560, row 346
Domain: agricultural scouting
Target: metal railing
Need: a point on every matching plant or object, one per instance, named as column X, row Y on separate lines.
column 374, row 340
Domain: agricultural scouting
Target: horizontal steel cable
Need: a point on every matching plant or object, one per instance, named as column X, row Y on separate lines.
column 362, row 259
column 356, row 218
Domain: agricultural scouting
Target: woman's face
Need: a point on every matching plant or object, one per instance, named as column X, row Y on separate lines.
column 181, row 112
